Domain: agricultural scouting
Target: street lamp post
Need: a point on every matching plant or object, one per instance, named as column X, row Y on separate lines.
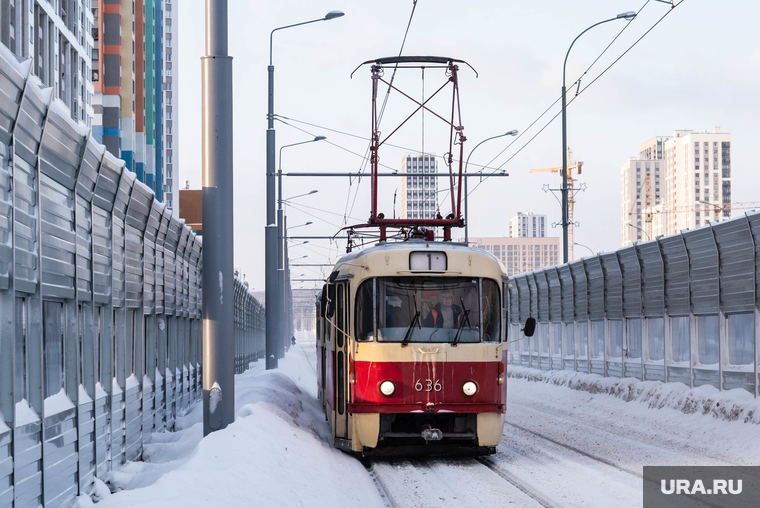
column 218, row 306
column 636, row 227
column 273, row 313
column 281, row 238
column 586, row 246
column 565, row 224
column 467, row 217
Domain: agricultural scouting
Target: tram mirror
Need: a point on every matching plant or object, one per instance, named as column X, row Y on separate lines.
column 530, row 327
column 330, row 308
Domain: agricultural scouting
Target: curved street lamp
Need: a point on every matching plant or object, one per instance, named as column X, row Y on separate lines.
column 628, row 16
column 275, row 336
column 466, row 222
column 636, row 227
column 586, row 246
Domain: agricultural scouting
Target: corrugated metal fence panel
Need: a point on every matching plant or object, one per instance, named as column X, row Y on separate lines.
column 542, row 287
column 595, row 280
column 102, row 255
column 117, row 248
column 160, row 273
column 86, row 440
column 151, row 232
column 28, row 461
column 26, row 195
column 84, row 248
column 102, row 432
column 6, row 465
column 676, row 261
column 134, row 267
column 652, row 279
column 754, row 224
column 523, row 291
column 555, row 295
column 578, row 271
column 88, row 170
column 12, row 82
column 613, row 286
column 169, row 282
column 58, row 239
column 107, row 184
column 631, row 270
column 60, row 457
column 737, row 266
column 703, row 260
column 31, row 117
column 514, row 301
column 6, row 216
column 62, row 145
column 566, row 281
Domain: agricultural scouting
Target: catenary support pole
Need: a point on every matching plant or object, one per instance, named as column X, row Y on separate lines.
column 270, row 263
column 218, row 279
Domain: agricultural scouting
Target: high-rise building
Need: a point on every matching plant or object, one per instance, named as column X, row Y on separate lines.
column 419, row 191
column 132, row 79
column 698, row 173
column 527, row 225
column 688, row 172
column 57, row 36
column 520, row 254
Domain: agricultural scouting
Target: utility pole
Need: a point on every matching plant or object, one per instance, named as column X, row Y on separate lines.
column 218, row 278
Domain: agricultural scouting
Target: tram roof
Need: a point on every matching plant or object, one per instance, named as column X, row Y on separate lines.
column 412, row 245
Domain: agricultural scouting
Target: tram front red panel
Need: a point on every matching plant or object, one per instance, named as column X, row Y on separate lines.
column 433, row 386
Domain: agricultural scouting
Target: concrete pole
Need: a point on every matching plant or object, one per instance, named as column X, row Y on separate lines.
column 272, row 297
column 218, row 278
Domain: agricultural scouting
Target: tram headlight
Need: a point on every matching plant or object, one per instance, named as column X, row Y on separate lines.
column 469, row 388
column 387, row 388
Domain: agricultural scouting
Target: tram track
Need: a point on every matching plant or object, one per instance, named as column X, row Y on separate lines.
column 576, row 450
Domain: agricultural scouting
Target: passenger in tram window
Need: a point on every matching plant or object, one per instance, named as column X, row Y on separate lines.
column 445, row 313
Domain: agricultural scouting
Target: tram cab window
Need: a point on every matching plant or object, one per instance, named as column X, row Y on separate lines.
column 429, row 310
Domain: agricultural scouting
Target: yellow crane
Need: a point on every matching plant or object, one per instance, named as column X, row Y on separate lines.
column 577, row 166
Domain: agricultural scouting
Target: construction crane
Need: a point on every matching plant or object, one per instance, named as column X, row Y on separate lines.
column 577, row 166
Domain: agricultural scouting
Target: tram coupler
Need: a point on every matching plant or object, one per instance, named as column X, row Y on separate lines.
column 431, row 434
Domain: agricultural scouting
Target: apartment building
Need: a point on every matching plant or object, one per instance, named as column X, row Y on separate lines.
column 135, row 96
column 527, row 225
column 520, row 254
column 56, row 36
column 419, row 191
column 689, row 177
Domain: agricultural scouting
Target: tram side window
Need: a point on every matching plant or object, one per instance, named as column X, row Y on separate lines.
column 52, row 337
column 363, row 311
column 491, row 311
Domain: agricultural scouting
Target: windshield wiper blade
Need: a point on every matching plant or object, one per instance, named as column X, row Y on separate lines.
column 461, row 322
column 415, row 320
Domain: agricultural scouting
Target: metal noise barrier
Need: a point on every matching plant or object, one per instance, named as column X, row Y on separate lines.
column 681, row 308
column 100, row 302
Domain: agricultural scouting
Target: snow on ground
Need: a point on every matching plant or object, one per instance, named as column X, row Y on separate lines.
column 570, row 440
column 732, row 405
column 276, row 453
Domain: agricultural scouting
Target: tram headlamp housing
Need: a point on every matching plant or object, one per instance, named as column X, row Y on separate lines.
column 387, row 388
column 469, row 388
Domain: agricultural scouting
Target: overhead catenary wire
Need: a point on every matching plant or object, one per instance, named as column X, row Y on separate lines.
column 576, row 96
column 363, row 166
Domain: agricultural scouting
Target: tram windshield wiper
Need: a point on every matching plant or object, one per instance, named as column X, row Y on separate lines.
column 461, row 322
column 415, row 321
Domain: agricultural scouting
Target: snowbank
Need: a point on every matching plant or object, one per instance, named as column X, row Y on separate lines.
column 276, row 453
column 732, row 405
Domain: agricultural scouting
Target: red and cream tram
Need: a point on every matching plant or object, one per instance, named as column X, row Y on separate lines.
column 411, row 335
column 410, row 348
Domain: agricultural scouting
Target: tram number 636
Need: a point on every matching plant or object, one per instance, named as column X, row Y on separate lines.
column 429, row 386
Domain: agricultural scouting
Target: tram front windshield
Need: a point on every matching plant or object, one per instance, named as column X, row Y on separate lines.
column 429, row 310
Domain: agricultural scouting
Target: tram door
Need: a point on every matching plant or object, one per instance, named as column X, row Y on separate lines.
column 341, row 359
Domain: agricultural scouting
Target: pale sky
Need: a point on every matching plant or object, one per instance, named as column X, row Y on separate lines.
column 699, row 68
